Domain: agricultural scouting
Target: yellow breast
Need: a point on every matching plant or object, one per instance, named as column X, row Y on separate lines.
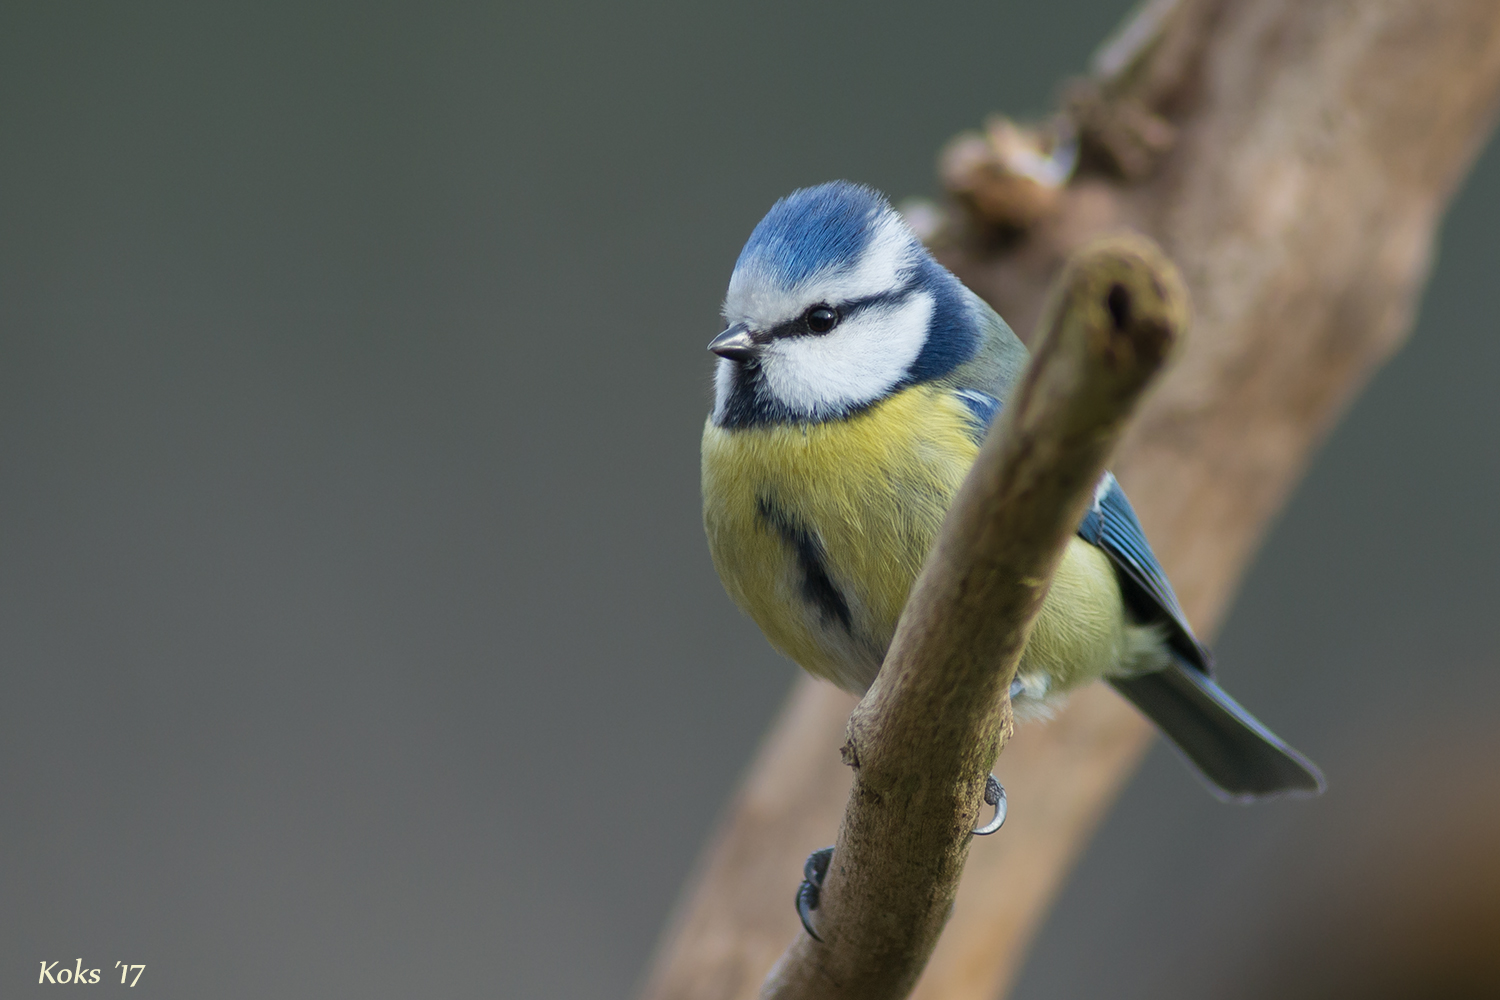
column 819, row 530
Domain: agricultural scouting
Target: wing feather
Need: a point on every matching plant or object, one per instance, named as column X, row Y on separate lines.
column 1112, row 526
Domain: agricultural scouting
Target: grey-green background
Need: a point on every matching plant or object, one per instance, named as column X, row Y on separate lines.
column 357, row 636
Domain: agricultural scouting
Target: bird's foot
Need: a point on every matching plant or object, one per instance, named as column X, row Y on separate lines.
column 814, row 871
column 815, row 868
column 994, row 795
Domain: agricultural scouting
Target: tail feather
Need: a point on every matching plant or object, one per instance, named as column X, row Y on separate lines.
column 1239, row 756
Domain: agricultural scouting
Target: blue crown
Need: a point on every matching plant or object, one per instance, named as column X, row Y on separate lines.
column 812, row 230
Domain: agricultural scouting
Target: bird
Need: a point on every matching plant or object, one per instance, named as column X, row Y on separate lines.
column 855, row 380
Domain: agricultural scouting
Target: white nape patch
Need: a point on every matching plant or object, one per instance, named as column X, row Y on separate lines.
column 758, row 300
column 857, row 363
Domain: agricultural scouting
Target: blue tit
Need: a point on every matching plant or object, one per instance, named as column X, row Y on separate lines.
column 855, row 382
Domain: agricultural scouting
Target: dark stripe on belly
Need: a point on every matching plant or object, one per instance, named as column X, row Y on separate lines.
column 817, row 588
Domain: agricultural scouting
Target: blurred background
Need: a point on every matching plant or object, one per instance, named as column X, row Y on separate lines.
column 357, row 633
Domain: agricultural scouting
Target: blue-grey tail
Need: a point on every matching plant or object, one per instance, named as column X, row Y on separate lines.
column 1240, row 757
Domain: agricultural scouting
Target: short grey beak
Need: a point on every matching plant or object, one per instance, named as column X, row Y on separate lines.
column 734, row 344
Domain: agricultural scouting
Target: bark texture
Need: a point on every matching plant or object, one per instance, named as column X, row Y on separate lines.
column 929, row 729
column 1294, row 158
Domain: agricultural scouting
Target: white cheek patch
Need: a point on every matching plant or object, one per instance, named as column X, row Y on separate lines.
column 857, row 363
column 723, row 386
column 760, row 302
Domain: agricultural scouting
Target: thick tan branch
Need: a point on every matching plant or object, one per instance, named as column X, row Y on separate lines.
column 928, row 731
column 1294, row 156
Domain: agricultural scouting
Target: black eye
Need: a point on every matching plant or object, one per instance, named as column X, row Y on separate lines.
column 821, row 319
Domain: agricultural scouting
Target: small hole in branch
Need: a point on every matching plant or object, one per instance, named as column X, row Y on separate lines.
column 1118, row 302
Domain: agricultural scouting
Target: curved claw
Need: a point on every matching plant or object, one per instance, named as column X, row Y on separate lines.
column 994, row 794
column 807, row 901
column 814, row 871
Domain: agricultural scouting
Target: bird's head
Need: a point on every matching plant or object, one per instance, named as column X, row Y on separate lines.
column 834, row 304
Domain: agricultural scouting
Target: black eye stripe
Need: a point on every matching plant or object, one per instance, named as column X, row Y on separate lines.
column 797, row 327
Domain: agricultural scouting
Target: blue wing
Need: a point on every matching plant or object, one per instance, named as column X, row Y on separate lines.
column 982, row 407
column 1111, row 525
